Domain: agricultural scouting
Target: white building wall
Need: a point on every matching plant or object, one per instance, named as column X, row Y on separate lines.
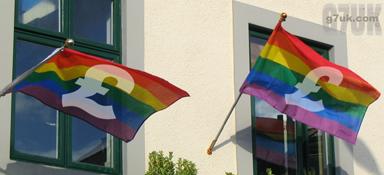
column 6, row 55
column 189, row 43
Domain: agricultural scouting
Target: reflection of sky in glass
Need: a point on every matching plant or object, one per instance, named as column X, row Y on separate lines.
column 35, row 123
column 29, row 54
column 93, row 20
column 27, row 4
column 88, row 143
column 40, row 13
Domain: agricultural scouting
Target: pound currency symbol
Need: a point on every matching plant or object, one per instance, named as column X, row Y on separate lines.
column 309, row 85
column 92, row 84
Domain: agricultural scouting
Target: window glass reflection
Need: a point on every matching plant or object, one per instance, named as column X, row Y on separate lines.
column 93, row 20
column 275, row 145
column 35, row 123
column 314, row 150
column 44, row 14
column 90, row 145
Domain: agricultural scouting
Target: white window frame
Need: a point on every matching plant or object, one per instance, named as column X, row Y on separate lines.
column 133, row 153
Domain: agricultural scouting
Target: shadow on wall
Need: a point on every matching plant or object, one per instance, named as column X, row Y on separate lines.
column 340, row 171
column 242, row 140
column 368, row 162
column 364, row 157
column 18, row 168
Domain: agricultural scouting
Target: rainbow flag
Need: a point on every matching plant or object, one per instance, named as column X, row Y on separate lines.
column 299, row 82
column 109, row 96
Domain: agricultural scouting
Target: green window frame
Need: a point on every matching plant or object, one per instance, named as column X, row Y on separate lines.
column 301, row 129
column 23, row 32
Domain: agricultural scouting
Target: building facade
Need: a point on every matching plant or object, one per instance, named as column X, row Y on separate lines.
column 206, row 48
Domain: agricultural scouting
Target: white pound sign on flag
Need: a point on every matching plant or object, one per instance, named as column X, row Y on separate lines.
column 92, row 84
column 309, row 85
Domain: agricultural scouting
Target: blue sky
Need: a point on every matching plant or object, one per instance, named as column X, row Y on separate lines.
column 27, row 4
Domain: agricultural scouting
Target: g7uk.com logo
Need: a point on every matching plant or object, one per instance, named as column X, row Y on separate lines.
column 361, row 18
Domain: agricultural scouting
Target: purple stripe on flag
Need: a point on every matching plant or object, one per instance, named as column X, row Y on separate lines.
column 114, row 127
column 300, row 114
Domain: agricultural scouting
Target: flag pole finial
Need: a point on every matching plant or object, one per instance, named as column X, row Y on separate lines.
column 69, row 43
column 283, row 16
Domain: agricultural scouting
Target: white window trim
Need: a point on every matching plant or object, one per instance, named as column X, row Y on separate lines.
column 245, row 14
column 133, row 153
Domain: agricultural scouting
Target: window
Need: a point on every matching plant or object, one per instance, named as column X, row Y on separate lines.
column 41, row 134
column 281, row 144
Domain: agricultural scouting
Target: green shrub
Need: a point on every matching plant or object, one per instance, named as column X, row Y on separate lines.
column 163, row 165
column 229, row 173
column 185, row 167
column 269, row 171
column 310, row 171
column 160, row 164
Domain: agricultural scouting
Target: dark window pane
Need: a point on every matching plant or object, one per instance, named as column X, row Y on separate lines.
column 90, row 145
column 44, row 14
column 35, row 123
column 314, row 150
column 92, row 20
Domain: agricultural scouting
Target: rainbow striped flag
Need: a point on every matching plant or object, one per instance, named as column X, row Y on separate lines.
column 299, row 82
column 107, row 95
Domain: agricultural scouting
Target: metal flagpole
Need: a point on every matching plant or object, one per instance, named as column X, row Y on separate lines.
column 6, row 89
column 209, row 151
column 283, row 16
column 285, row 144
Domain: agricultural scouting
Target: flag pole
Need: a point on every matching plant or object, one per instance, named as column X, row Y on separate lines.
column 285, row 144
column 9, row 87
column 210, row 149
column 283, row 17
